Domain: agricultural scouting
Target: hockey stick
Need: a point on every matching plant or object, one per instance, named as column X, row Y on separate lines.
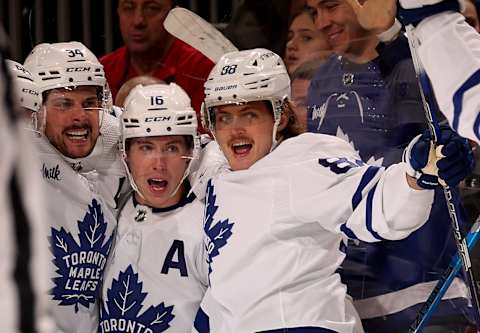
column 429, row 103
column 430, row 305
column 198, row 33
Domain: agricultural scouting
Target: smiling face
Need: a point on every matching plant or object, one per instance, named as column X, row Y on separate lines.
column 141, row 23
column 304, row 43
column 157, row 165
column 72, row 120
column 337, row 20
column 244, row 132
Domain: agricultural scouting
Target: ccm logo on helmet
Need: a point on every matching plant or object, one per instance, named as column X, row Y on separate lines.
column 77, row 69
column 30, row 91
column 155, row 119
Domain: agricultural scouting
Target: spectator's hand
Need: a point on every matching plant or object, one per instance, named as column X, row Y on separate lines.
column 449, row 163
column 376, row 16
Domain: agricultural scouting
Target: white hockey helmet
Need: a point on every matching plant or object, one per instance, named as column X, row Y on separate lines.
column 63, row 65
column 245, row 76
column 26, row 92
column 158, row 110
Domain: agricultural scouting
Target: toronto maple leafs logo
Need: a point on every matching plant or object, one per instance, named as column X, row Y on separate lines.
column 218, row 234
column 80, row 266
column 121, row 311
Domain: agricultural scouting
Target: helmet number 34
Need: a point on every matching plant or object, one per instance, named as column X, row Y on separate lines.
column 74, row 52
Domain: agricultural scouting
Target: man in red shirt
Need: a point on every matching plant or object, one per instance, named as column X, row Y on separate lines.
column 150, row 50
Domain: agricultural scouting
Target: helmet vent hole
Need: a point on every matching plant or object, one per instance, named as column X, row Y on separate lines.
column 169, row 128
column 70, row 79
column 89, row 78
column 234, row 96
column 219, row 98
column 255, row 63
column 148, row 130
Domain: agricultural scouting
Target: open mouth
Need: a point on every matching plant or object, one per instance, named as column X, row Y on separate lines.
column 157, row 184
column 242, row 148
column 77, row 134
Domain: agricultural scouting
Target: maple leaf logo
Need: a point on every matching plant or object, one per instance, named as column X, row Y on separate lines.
column 121, row 311
column 218, row 235
column 80, row 266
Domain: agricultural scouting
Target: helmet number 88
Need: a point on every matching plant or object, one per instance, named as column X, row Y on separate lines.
column 229, row 69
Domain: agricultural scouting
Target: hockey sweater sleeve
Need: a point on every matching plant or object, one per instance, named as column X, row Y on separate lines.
column 361, row 201
column 450, row 53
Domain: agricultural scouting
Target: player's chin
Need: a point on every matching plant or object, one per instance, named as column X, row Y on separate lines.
column 241, row 162
column 77, row 150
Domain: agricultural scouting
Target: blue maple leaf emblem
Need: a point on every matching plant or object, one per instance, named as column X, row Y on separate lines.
column 80, row 266
column 124, row 303
column 218, row 235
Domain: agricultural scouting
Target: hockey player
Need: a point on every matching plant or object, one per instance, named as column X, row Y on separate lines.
column 82, row 173
column 157, row 274
column 26, row 94
column 276, row 224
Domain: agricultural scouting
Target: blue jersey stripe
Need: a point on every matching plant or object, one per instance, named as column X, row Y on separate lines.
column 366, row 178
column 476, row 126
column 202, row 322
column 458, row 99
column 370, row 195
column 347, row 231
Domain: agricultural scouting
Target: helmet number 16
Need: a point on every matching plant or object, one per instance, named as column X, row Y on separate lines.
column 156, row 100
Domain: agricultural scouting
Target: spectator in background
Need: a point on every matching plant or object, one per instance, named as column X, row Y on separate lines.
column 300, row 81
column 125, row 89
column 304, row 41
column 150, row 50
column 368, row 94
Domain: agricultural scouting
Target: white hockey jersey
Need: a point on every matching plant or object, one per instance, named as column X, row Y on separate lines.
column 450, row 53
column 275, row 235
column 157, row 274
column 81, row 210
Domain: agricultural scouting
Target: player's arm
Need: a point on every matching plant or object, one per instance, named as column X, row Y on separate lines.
column 373, row 203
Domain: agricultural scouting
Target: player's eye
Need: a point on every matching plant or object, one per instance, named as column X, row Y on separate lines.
column 224, row 118
column 173, row 149
column 91, row 104
column 145, row 147
column 62, row 104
